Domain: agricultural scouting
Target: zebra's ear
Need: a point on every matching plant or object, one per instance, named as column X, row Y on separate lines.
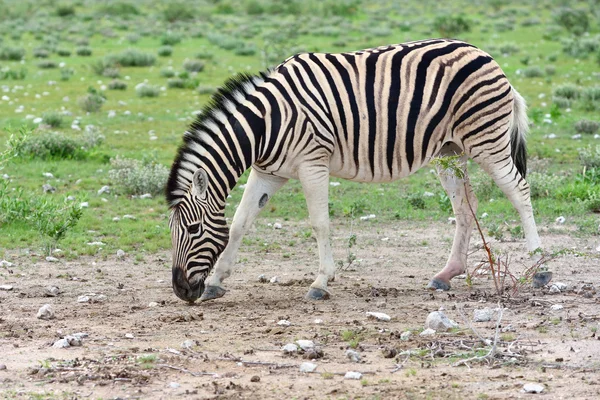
column 199, row 183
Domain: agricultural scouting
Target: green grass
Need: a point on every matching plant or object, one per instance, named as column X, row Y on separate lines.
column 222, row 44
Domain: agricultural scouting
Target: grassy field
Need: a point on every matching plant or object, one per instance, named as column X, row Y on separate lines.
column 138, row 72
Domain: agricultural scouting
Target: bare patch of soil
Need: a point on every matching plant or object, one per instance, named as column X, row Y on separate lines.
column 233, row 345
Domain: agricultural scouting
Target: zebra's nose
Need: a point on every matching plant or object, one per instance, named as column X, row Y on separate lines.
column 182, row 287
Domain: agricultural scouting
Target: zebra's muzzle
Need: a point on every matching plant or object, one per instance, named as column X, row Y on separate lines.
column 182, row 287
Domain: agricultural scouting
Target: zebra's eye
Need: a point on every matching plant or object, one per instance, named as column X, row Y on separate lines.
column 194, row 228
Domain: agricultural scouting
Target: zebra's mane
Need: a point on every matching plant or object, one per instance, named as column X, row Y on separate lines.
column 224, row 102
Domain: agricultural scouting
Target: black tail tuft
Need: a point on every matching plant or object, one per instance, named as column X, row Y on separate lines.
column 518, row 131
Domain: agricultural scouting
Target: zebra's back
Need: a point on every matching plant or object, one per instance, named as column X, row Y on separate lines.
column 383, row 113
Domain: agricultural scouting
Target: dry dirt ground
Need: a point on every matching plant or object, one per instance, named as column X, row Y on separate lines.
column 134, row 350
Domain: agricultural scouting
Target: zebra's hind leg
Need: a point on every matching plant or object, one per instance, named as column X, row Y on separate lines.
column 259, row 189
column 315, row 183
column 463, row 200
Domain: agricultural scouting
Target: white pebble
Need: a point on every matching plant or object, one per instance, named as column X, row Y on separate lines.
column 353, row 375
column 560, row 220
column 274, row 279
column 307, row 367
column 174, row 385
column 51, row 259
column 378, row 315
column 406, row 335
column 532, row 388
column 353, row 356
column 153, row 304
column 45, row 312
column 104, row 189
column 289, row 348
column 6, row 287
column 427, row 332
column 277, row 225
column 284, row 322
column 120, row 254
column 556, row 307
column 305, row 344
column 83, row 299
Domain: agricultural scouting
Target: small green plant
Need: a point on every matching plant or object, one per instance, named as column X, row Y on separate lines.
column 65, row 10
column 167, row 73
column 193, row 65
column 135, row 177
column 47, row 64
column 146, row 90
column 40, row 53
column 7, row 73
column 586, row 126
column 12, row 53
column 130, row 58
column 590, row 157
column 416, row 201
column 206, row 89
column 92, row 101
column 165, row 51
column 574, row 20
column 533, row 72
column 52, row 118
column 66, row 74
column 63, row 52
column 117, row 84
column 451, row 25
column 570, row 92
column 170, row 39
column 83, row 51
column 178, row 12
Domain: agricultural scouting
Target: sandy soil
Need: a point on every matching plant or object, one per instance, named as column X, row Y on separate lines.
column 134, row 349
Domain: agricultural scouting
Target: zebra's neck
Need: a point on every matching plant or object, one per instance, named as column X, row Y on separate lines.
column 223, row 141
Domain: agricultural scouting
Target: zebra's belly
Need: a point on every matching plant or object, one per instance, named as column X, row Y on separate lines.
column 365, row 174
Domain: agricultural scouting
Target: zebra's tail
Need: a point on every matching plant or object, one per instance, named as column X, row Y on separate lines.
column 519, row 126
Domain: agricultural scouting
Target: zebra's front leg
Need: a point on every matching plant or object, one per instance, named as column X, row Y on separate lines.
column 259, row 189
column 315, row 183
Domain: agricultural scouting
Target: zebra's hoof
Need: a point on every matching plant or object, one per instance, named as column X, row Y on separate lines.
column 436, row 284
column 212, row 292
column 317, row 294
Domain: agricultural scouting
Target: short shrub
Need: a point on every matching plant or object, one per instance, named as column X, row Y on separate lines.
column 246, row 49
column 206, row 89
column 7, row 73
column 12, row 53
column 586, row 126
column 590, row 157
column 47, row 64
column 550, row 70
column 117, row 84
column 581, row 47
column 52, row 118
column 146, row 90
column 543, row 185
column 590, row 98
column 223, row 41
column 531, row 21
column 567, row 91
column 574, row 20
column 120, row 8
column 562, row 102
column 533, row 72
column 176, row 83
column 178, row 12
column 451, row 25
column 135, row 177
column 105, row 68
column 39, row 52
column 132, row 38
column 92, row 137
column 131, row 58
column 170, row 39
column 65, row 10
column 165, row 51
column 92, row 101
column 204, row 55
column 416, row 201
column 63, row 52
column 83, row 51
column 193, row 65
column 53, row 145
column 509, row 48
column 167, row 73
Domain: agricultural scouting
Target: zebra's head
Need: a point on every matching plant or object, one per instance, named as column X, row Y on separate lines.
column 199, row 234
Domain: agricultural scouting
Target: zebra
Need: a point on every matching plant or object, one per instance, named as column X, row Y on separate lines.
column 373, row 115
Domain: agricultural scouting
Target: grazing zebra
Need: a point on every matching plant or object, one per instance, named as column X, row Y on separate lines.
column 374, row 115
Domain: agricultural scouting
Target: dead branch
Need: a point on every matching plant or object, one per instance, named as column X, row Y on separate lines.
column 492, row 353
column 187, row 371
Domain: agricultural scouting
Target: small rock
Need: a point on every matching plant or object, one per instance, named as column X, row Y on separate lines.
column 83, row 299
column 367, row 217
column 84, row 204
column 532, row 388
column 255, row 378
column 262, row 278
column 73, row 340
column 389, row 352
column 6, row 264
column 406, row 335
column 560, row 220
column 189, row 344
column 561, row 286
column 47, row 175
column 129, row 336
column 284, row 322
column 51, row 291
column 305, row 344
column 51, row 259
column 318, row 321
column 128, row 216
column 153, row 304
column 100, row 298
column 45, row 312
column 307, row 367
column 80, row 335
column 146, row 196
column 438, row 321
column 116, row 219
column 277, row 225
column 104, row 189
column 483, row 315
column 541, row 279
column 61, row 344
column 120, row 254
column 427, row 332
column 353, row 356
column 507, row 328
column 289, row 348
column 554, row 289
column 174, row 385
column 379, row 316
column 353, row 375
column 2, row 367
column 274, row 279
column 556, row 307
column 48, row 188
column 451, row 220
column 6, row 287
column 96, row 244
